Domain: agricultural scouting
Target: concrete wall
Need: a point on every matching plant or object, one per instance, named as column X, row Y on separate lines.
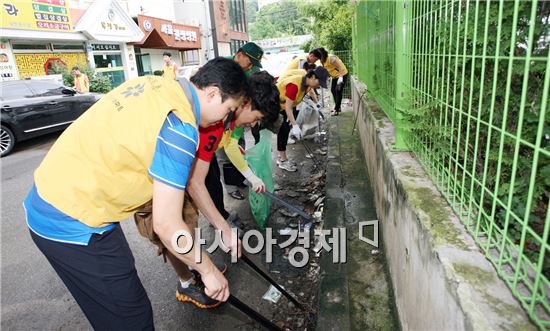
column 441, row 280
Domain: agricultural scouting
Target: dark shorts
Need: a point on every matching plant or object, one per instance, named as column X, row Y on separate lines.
column 103, row 280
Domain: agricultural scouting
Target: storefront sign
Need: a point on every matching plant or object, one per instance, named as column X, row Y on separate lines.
column 112, row 22
column 8, row 69
column 44, row 15
column 178, row 34
column 105, row 47
column 172, row 35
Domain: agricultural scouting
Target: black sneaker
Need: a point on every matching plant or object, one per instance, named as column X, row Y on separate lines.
column 194, row 293
column 237, row 195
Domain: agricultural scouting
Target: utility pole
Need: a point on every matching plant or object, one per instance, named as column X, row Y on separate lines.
column 213, row 29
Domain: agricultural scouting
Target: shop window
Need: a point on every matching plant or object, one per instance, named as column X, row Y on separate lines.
column 235, row 45
column 108, row 60
column 73, row 47
column 42, row 47
column 237, row 15
column 191, row 57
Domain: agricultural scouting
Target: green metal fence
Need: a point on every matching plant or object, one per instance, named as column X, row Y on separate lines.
column 346, row 57
column 466, row 84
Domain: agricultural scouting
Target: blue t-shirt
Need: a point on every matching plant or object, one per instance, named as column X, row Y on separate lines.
column 174, row 155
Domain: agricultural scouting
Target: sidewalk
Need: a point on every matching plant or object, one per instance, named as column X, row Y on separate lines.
column 356, row 295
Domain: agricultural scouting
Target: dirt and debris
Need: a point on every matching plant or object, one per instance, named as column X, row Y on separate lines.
column 304, row 189
column 287, row 213
column 272, row 294
column 292, row 194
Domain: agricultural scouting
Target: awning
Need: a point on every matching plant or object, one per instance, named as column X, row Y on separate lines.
column 160, row 33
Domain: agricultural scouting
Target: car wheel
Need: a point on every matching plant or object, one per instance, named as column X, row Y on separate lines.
column 7, row 141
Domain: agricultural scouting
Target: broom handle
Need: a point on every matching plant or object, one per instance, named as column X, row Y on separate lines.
column 252, row 313
column 269, row 279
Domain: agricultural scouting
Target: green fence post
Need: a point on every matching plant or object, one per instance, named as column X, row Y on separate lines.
column 402, row 78
column 354, row 38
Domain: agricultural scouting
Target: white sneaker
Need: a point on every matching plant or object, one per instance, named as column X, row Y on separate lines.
column 291, row 141
column 286, row 165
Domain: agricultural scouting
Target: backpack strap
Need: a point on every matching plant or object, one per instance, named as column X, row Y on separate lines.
column 186, row 87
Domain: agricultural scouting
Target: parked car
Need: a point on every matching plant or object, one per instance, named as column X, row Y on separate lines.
column 30, row 108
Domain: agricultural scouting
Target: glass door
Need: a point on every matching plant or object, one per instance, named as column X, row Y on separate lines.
column 110, row 65
column 144, row 64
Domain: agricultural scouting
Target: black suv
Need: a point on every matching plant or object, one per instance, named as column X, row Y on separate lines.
column 31, row 108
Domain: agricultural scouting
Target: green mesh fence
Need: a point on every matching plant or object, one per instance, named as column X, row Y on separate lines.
column 466, row 84
column 259, row 160
column 346, row 57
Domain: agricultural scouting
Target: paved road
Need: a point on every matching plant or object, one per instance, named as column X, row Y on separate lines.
column 34, row 298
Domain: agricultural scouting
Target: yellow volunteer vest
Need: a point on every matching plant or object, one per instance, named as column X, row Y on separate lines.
column 331, row 68
column 82, row 84
column 97, row 171
column 295, row 63
column 293, row 72
column 282, row 82
column 169, row 71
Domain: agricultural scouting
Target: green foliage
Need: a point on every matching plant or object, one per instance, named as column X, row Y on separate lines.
column 308, row 46
column 451, row 92
column 330, row 24
column 158, row 72
column 98, row 83
column 279, row 19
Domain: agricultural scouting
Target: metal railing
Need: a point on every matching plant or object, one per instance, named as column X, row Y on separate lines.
column 346, row 57
column 466, row 84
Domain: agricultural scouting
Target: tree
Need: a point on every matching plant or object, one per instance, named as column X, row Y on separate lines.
column 330, row 24
column 280, row 19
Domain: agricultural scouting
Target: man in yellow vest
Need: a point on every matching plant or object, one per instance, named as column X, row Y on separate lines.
column 204, row 185
column 339, row 73
column 81, row 81
column 135, row 144
column 170, row 68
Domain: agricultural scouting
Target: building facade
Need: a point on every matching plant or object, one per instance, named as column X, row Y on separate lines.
column 229, row 25
column 119, row 39
column 110, row 32
column 223, row 25
column 160, row 35
column 39, row 35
